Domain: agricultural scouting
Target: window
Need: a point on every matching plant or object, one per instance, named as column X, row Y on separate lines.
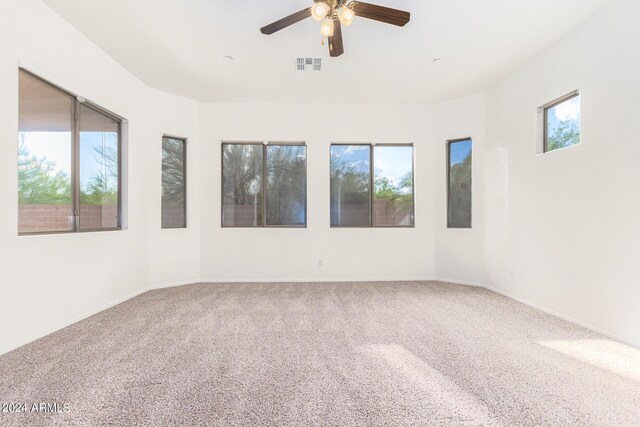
column 264, row 185
column 45, row 142
column 350, row 185
column 393, row 185
column 459, row 168
column 99, row 170
column 174, row 190
column 69, row 153
column 286, row 185
column 372, row 186
column 561, row 122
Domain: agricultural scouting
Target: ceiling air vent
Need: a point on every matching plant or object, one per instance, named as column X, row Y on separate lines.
column 309, row 64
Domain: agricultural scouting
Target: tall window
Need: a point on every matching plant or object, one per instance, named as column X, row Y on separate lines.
column 372, row 186
column 174, row 190
column 264, row 185
column 561, row 122
column 69, row 176
column 459, row 165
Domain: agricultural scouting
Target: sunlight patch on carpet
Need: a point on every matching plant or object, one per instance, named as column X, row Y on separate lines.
column 610, row 355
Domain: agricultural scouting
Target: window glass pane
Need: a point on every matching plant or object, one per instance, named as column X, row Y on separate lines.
column 44, row 157
column 242, row 185
column 98, row 170
column 563, row 124
column 286, row 184
column 173, row 183
column 460, row 184
column 393, row 186
column 350, row 185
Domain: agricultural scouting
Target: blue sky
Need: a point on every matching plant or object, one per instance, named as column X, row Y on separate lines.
column 55, row 146
column 460, row 151
column 356, row 156
column 89, row 141
column 391, row 162
column 568, row 110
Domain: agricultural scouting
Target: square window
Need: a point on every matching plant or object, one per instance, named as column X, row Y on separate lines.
column 264, row 185
column 69, row 162
column 372, row 186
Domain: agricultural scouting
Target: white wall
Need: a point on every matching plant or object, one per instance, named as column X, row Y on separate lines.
column 174, row 254
column 459, row 253
column 562, row 229
column 559, row 231
column 346, row 253
column 50, row 281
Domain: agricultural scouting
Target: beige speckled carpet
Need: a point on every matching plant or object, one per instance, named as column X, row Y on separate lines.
column 410, row 353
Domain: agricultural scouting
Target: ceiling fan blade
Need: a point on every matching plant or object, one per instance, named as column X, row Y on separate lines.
column 285, row 22
column 336, row 46
column 380, row 13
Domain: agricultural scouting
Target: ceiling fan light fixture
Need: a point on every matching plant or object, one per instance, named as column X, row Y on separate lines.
column 346, row 15
column 319, row 11
column 327, row 27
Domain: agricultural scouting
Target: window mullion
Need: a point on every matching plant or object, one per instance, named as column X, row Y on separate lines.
column 371, row 183
column 545, row 113
column 75, row 168
column 119, row 220
column 264, row 185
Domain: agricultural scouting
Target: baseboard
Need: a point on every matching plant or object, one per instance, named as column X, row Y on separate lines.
column 563, row 317
column 377, row 279
column 333, row 280
column 62, row 325
column 171, row 285
column 462, row 282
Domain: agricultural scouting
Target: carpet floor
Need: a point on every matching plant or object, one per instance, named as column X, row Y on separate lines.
column 370, row 353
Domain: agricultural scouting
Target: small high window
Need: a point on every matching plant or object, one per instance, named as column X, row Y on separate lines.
column 561, row 122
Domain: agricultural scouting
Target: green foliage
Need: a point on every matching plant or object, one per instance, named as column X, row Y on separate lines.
column 99, row 192
column 285, row 181
column 399, row 197
column 460, row 193
column 173, row 178
column 102, row 188
column 242, row 180
column 567, row 133
column 37, row 184
column 384, row 188
column 354, row 188
column 354, row 184
column 286, row 178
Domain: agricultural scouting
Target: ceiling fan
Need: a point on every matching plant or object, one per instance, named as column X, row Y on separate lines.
column 334, row 13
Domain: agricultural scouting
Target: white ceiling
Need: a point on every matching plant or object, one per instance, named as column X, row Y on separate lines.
column 178, row 46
